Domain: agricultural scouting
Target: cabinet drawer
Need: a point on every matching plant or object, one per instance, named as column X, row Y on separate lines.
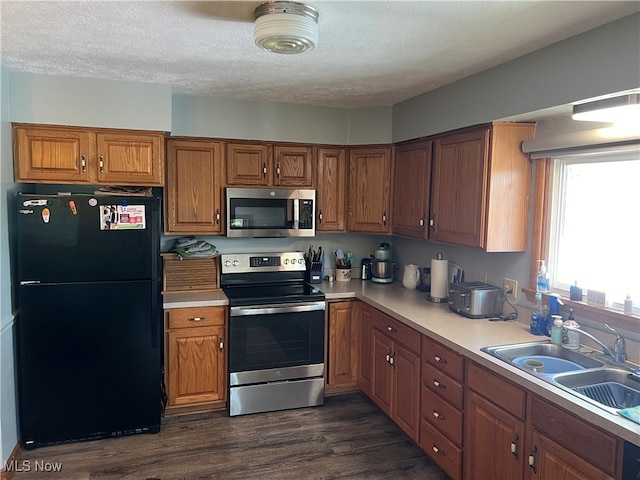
column 195, row 317
column 442, row 358
column 442, row 415
column 397, row 331
column 441, row 450
column 496, row 389
column 588, row 442
column 442, row 385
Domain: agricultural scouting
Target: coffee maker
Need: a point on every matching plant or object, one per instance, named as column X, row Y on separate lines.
column 382, row 265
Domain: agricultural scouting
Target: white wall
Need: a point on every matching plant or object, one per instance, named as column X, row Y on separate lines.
column 601, row 61
column 8, row 422
column 91, row 102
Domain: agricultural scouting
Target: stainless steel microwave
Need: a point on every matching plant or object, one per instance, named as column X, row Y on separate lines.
column 270, row 212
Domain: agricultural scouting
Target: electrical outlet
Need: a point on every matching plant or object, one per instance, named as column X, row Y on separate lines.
column 483, row 277
column 511, row 288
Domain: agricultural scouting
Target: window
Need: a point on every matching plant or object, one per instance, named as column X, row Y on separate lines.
column 594, row 224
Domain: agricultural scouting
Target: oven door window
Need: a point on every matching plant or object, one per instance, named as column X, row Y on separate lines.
column 261, row 213
column 279, row 340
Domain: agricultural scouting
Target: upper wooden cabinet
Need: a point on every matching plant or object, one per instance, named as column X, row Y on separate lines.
column 369, row 189
column 481, row 188
column 58, row 154
column 331, row 181
column 193, row 193
column 412, row 189
column 257, row 164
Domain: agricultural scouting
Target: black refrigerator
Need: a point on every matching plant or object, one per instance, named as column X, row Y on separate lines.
column 89, row 323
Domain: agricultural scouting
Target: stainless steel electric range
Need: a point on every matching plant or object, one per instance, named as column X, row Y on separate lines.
column 276, row 333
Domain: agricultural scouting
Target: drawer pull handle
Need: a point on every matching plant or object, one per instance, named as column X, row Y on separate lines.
column 439, row 359
column 514, row 446
column 437, row 450
column 532, row 459
column 438, row 384
column 197, row 319
column 438, row 416
column 390, row 328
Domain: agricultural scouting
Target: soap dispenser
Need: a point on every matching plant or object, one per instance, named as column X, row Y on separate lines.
column 542, row 281
column 556, row 330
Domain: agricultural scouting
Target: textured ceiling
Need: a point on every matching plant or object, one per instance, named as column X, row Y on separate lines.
column 370, row 53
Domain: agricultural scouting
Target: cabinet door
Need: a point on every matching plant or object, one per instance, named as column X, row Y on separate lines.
column 293, row 166
column 488, row 434
column 196, row 366
column 369, row 190
column 382, row 372
column 194, row 187
column 365, row 367
column 331, row 181
column 548, row 459
column 460, row 166
column 248, row 164
column 130, row 158
column 412, row 189
column 406, row 391
column 51, row 155
column 343, row 344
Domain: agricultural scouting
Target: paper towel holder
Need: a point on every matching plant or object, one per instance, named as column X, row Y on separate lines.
column 431, row 298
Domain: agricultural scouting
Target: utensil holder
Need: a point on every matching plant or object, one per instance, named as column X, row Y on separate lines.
column 343, row 273
column 315, row 272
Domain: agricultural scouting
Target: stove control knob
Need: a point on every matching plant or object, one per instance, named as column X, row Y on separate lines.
column 301, row 261
column 236, row 263
column 227, row 263
column 286, row 261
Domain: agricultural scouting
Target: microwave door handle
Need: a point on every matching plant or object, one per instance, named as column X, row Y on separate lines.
column 296, row 214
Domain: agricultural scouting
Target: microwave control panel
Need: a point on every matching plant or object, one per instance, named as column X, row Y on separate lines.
column 306, row 214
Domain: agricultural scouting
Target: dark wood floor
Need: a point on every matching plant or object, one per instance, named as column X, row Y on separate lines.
column 347, row 438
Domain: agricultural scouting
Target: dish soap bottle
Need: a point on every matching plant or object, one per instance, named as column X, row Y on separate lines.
column 542, row 281
column 537, row 324
column 554, row 310
column 556, row 330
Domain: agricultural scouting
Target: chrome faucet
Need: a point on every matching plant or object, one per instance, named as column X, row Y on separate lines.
column 619, row 353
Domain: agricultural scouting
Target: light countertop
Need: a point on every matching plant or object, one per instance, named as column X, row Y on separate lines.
column 464, row 335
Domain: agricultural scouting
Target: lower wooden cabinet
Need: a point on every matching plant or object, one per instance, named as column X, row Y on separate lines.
column 195, row 357
column 343, row 344
column 395, row 378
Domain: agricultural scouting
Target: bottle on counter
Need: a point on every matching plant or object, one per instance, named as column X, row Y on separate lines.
column 556, row 330
column 554, row 309
column 628, row 305
column 537, row 324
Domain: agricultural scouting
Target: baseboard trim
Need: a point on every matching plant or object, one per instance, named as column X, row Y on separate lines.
column 12, row 461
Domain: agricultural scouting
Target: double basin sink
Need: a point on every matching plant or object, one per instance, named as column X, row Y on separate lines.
column 604, row 383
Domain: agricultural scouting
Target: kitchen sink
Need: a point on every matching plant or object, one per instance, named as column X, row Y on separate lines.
column 605, row 384
column 609, row 387
column 517, row 353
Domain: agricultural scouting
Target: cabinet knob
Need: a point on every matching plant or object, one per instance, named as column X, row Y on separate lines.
column 278, row 169
column 388, row 358
column 390, row 328
column 320, row 217
column 391, row 360
column 384, row 218
column 264, row 170
column 101, row 164
column 221, row 345
column 438, row 415
column 422, row 222
column 217, row 216
column 84, row 163
column 514, row 446
column 439, row 359
column 197, row 319
column 532, row 459
column 436, row 449
column 432, row 222
column 438, row 384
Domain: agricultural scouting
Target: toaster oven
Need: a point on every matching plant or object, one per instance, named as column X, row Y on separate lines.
column 476, row 299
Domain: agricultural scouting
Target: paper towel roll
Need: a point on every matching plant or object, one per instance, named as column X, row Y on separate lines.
column 439, row 278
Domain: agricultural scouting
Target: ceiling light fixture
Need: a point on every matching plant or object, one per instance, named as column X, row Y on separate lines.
column 286, row 27
column 625, row 108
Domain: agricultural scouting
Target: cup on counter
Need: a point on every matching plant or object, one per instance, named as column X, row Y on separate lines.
column 343, row 273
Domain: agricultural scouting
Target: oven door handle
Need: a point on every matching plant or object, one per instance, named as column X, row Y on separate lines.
column 276, row 308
